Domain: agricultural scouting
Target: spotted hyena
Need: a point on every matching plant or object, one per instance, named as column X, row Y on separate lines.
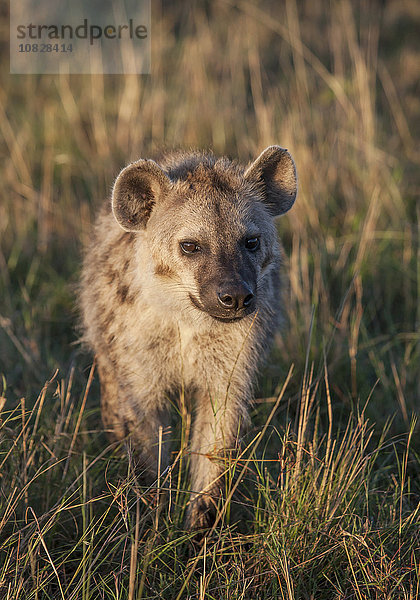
column 181, row 290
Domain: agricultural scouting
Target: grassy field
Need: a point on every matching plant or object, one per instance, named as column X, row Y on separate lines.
column 327, row 489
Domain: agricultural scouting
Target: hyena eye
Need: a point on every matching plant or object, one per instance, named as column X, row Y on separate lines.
column 189, row 247
column 252, row 243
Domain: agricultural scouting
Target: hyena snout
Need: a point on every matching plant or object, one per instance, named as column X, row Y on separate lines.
column 236, row 297
column 229, row 299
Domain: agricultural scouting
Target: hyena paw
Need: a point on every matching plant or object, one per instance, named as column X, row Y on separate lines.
column 201, row 512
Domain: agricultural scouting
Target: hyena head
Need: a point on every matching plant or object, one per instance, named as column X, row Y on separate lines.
column 208, row 225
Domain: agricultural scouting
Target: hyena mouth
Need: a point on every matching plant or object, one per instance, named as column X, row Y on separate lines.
column 218, row 317
column 228, row 319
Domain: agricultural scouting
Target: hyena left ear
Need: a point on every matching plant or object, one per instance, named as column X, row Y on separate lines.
column 276, row 171
column 136, row 190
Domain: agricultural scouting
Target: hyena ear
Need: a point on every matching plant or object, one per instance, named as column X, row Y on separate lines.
column 136, row 190
column 275, row 170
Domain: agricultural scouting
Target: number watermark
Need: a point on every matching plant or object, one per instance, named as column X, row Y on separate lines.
column 107, row 36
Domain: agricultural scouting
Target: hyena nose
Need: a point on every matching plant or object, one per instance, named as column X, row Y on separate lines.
column 235, row 297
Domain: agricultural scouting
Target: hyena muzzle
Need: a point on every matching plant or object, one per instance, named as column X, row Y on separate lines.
column 181, row 289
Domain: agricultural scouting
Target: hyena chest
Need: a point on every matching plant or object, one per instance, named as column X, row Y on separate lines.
column 188, row 353
column 205, row 356
column 169, row 356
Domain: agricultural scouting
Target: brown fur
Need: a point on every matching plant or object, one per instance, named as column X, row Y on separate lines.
column 161, row 318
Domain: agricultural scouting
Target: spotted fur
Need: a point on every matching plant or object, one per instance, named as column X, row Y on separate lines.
column 160, row 319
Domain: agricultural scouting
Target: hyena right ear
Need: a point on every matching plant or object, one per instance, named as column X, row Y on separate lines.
column 136, row 190
column 275, row 171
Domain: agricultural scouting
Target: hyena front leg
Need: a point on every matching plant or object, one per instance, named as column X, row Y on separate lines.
column 147, row 430
column 110, row 401
column 217, row 426
column 142, row 421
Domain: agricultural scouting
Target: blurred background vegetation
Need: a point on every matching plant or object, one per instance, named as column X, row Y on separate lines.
column 335, row 82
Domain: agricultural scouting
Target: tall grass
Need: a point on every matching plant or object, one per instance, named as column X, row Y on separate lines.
column 329, row 514
column 326, row 500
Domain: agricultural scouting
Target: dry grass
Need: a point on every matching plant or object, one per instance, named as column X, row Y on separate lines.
column 328, row 502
